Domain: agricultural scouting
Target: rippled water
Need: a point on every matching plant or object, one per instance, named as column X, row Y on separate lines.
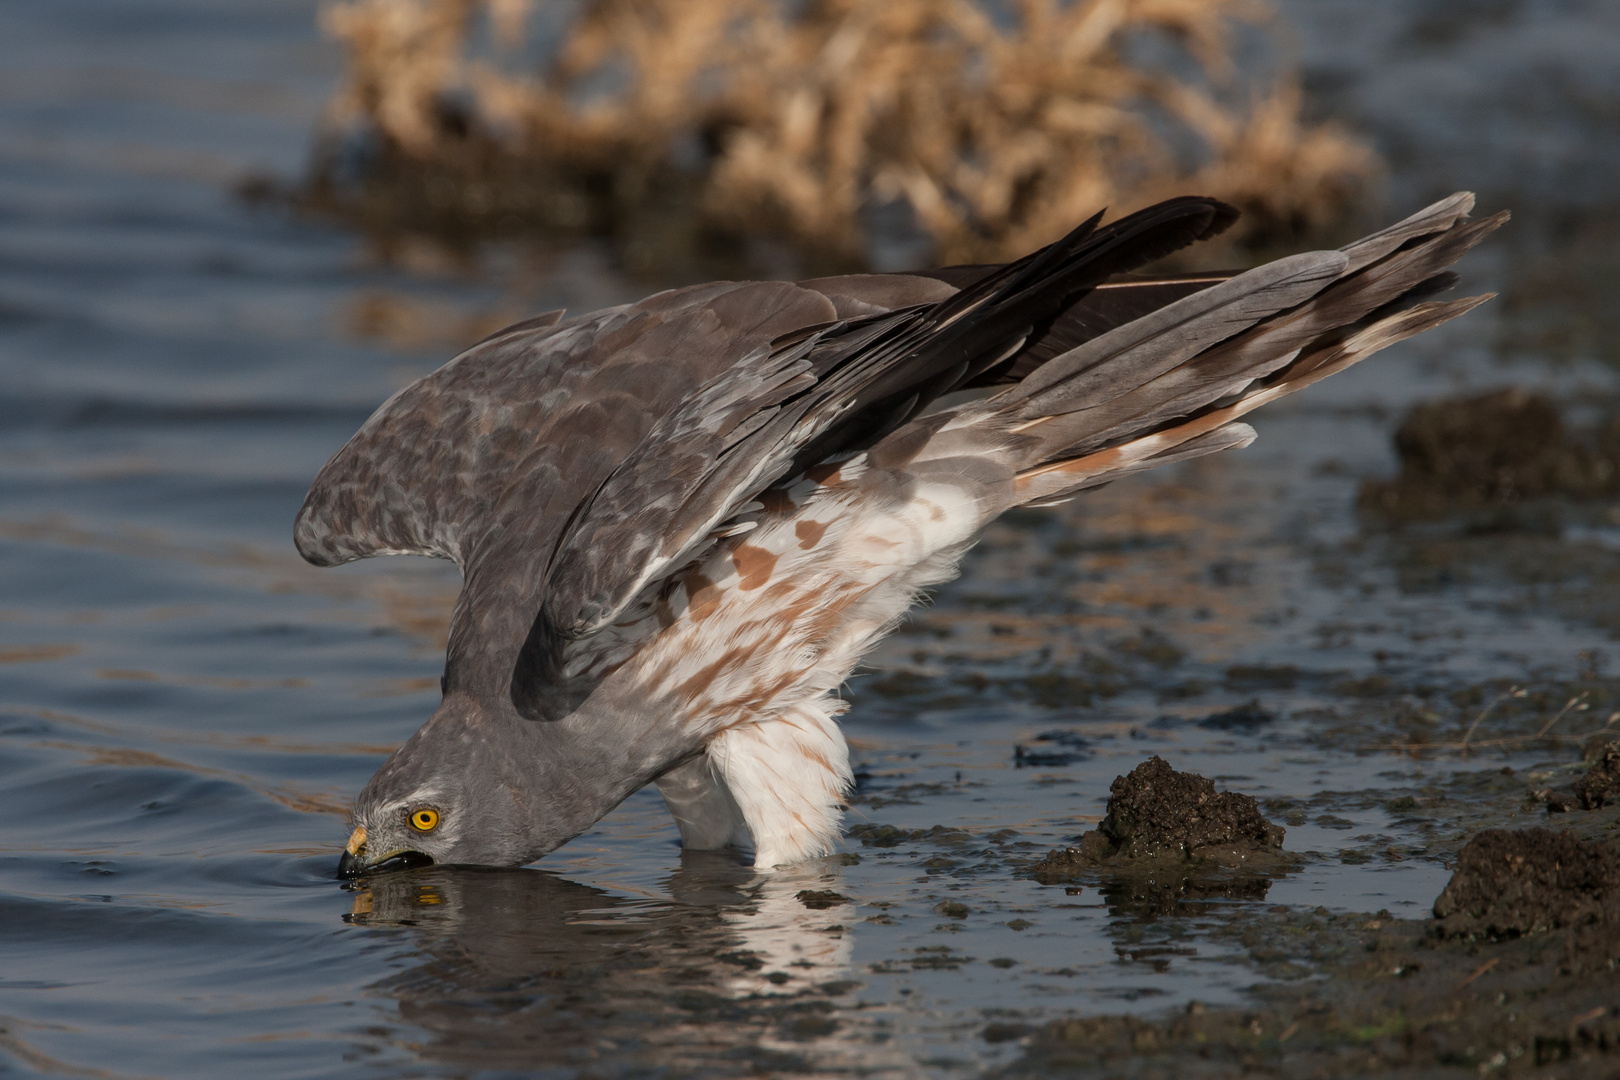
column 186, row 708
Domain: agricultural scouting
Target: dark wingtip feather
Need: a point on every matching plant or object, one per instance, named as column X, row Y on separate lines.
column 1167, row 227
column 1226, row 215
column 1133, row 241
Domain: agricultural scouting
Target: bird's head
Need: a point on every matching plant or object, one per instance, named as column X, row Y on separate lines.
column 479, row 785
column 447, row 796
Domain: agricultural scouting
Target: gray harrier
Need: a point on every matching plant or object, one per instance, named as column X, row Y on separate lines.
column 682, row 521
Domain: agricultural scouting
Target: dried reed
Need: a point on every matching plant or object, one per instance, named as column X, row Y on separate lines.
column 1000, row 124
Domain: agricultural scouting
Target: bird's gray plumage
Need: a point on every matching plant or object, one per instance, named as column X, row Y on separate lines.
column 579, row 470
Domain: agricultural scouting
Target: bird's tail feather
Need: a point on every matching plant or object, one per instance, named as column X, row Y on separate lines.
column 1216, row 429
column 1171, row 386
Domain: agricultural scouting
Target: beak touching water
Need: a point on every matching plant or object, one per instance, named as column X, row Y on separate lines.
column 354, row 855
column 354, row 861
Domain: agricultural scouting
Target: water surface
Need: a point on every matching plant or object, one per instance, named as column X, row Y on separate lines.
column 186, row 709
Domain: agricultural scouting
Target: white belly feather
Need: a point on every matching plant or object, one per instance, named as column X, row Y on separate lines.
column 756, row 640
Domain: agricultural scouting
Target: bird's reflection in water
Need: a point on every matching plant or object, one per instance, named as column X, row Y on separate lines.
column 734, row 972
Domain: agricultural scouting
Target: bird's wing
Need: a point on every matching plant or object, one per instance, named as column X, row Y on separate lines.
column 566, row 466
column 405, row 483
column 545, row 407
column 1120, row 299
column 822, row 392
column 488, row 459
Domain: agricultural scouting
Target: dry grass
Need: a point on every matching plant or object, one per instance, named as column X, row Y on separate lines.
column 1000, row 124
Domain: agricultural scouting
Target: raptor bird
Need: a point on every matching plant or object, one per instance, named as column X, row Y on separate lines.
column 682, row 521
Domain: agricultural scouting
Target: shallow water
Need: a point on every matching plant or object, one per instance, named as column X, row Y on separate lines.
column 186, row 708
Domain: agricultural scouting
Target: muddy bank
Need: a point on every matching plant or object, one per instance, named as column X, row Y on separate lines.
column 1393, row 1002
column 1516, row 974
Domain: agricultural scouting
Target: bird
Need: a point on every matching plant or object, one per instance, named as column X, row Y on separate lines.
column 682, row 521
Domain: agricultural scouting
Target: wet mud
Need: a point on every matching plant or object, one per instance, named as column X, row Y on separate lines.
column 1369, row 996
column 1516, row 971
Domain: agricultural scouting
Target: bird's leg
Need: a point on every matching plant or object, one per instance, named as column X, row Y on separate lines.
column 702, row 806
column 788, row 776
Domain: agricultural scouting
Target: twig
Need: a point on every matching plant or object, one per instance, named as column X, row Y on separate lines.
column 1483, row 713
column 1559, row 715
column 1468, row 742
column 1483, row 968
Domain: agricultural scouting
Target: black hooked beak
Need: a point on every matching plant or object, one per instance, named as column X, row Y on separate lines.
column 353, row 863
column 350, row 865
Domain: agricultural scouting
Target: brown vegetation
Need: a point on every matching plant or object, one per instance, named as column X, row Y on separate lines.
column 1000, row 126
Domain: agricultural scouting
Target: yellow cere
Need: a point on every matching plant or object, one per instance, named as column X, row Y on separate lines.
column 425, row 820
column 357, row 841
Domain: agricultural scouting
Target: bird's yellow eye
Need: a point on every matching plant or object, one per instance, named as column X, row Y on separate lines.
column 425, row 819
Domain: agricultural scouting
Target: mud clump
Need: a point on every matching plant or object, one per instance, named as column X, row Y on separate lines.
column 1155, row 810
column 1492, row 449
column 1601, row 785
column 1158, row 814
column 1514, row 882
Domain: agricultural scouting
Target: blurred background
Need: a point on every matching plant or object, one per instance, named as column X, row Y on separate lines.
column 230, row 228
